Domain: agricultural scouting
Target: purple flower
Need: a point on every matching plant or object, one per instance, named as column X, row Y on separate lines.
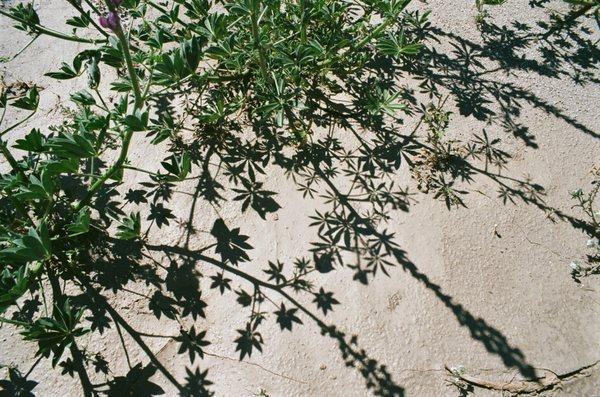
column 110, row 21
column 116, row 2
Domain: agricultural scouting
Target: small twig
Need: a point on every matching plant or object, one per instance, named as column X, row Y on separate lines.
column 547, row 382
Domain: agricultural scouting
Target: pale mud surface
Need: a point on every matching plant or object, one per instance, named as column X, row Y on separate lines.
column 486, row 287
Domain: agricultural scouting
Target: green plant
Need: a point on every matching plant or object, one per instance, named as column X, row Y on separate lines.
column 481, row 11
column 226, row 91
column 265, row 62
column 587, row 202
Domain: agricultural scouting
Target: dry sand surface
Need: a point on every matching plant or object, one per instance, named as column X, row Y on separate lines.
column 486, row 287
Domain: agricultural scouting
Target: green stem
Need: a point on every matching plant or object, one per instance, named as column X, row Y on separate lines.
column 93, row 7
column 130, row 68
column 102, row 100
column 303, row 21
column 15, row 166
column 361, row 43
column 13, row 322
column 44, row 30
column 11, row 160
column 261, row 54
column 139, row 170
column 374, row 33
column 128, row 133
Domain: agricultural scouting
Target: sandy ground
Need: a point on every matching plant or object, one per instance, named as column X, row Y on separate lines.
column 485, row 287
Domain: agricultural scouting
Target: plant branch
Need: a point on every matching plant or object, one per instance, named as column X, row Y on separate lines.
column 128, row 133
column 50, row 32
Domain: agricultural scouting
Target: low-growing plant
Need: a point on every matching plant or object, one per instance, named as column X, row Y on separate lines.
column 587, row 202
column 250, row 83
column 260, row 62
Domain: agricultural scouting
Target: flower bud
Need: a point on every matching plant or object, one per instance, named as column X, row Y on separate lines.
column 111, row 21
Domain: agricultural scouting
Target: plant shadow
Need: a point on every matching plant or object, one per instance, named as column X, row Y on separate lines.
column 355, row 180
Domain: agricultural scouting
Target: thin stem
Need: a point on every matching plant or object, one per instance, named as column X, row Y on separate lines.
column 255, row 34
column 13, row 322
column 44, row 30
column 101, row 99
column 374, row 33
column 25, row 46
column 149, row 82
column 15, row 125
column 139, row 169
column 130, row 68
column 11, row 160
column 164, row 11
column 84, row 14
column 3, row 113
column 92, row 6
column 128, row 133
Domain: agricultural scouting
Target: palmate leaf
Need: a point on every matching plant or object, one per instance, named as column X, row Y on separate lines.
column 41, row 188
column 130, row 227
column 195, row 9
column 162, row 128
column 178, row 166
column 27, row 13
column 62, row 166
column 192, row 342
column 68, row 146
column 383, row 101
column 81, row 223
column 11, row 181
column 248, row 341
column 32, row 142
column 231, row 244
column 12, row 286
column 78, row 21
column 66, row 71
column 161, row 304
column 33, row 246
column 191, row 52
column 29, row 101
column 393, row 7
column 54, row 334
column 172, row 67
column 83, row 97
column 222, row 50
column 215, row 27
column 138, row 120
column 221, row 282
column 397, row 46
column 325, row 300
column 196, row 383
column 275, row 272
column 286, row 318
column 17, row 385
column 112, row 53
